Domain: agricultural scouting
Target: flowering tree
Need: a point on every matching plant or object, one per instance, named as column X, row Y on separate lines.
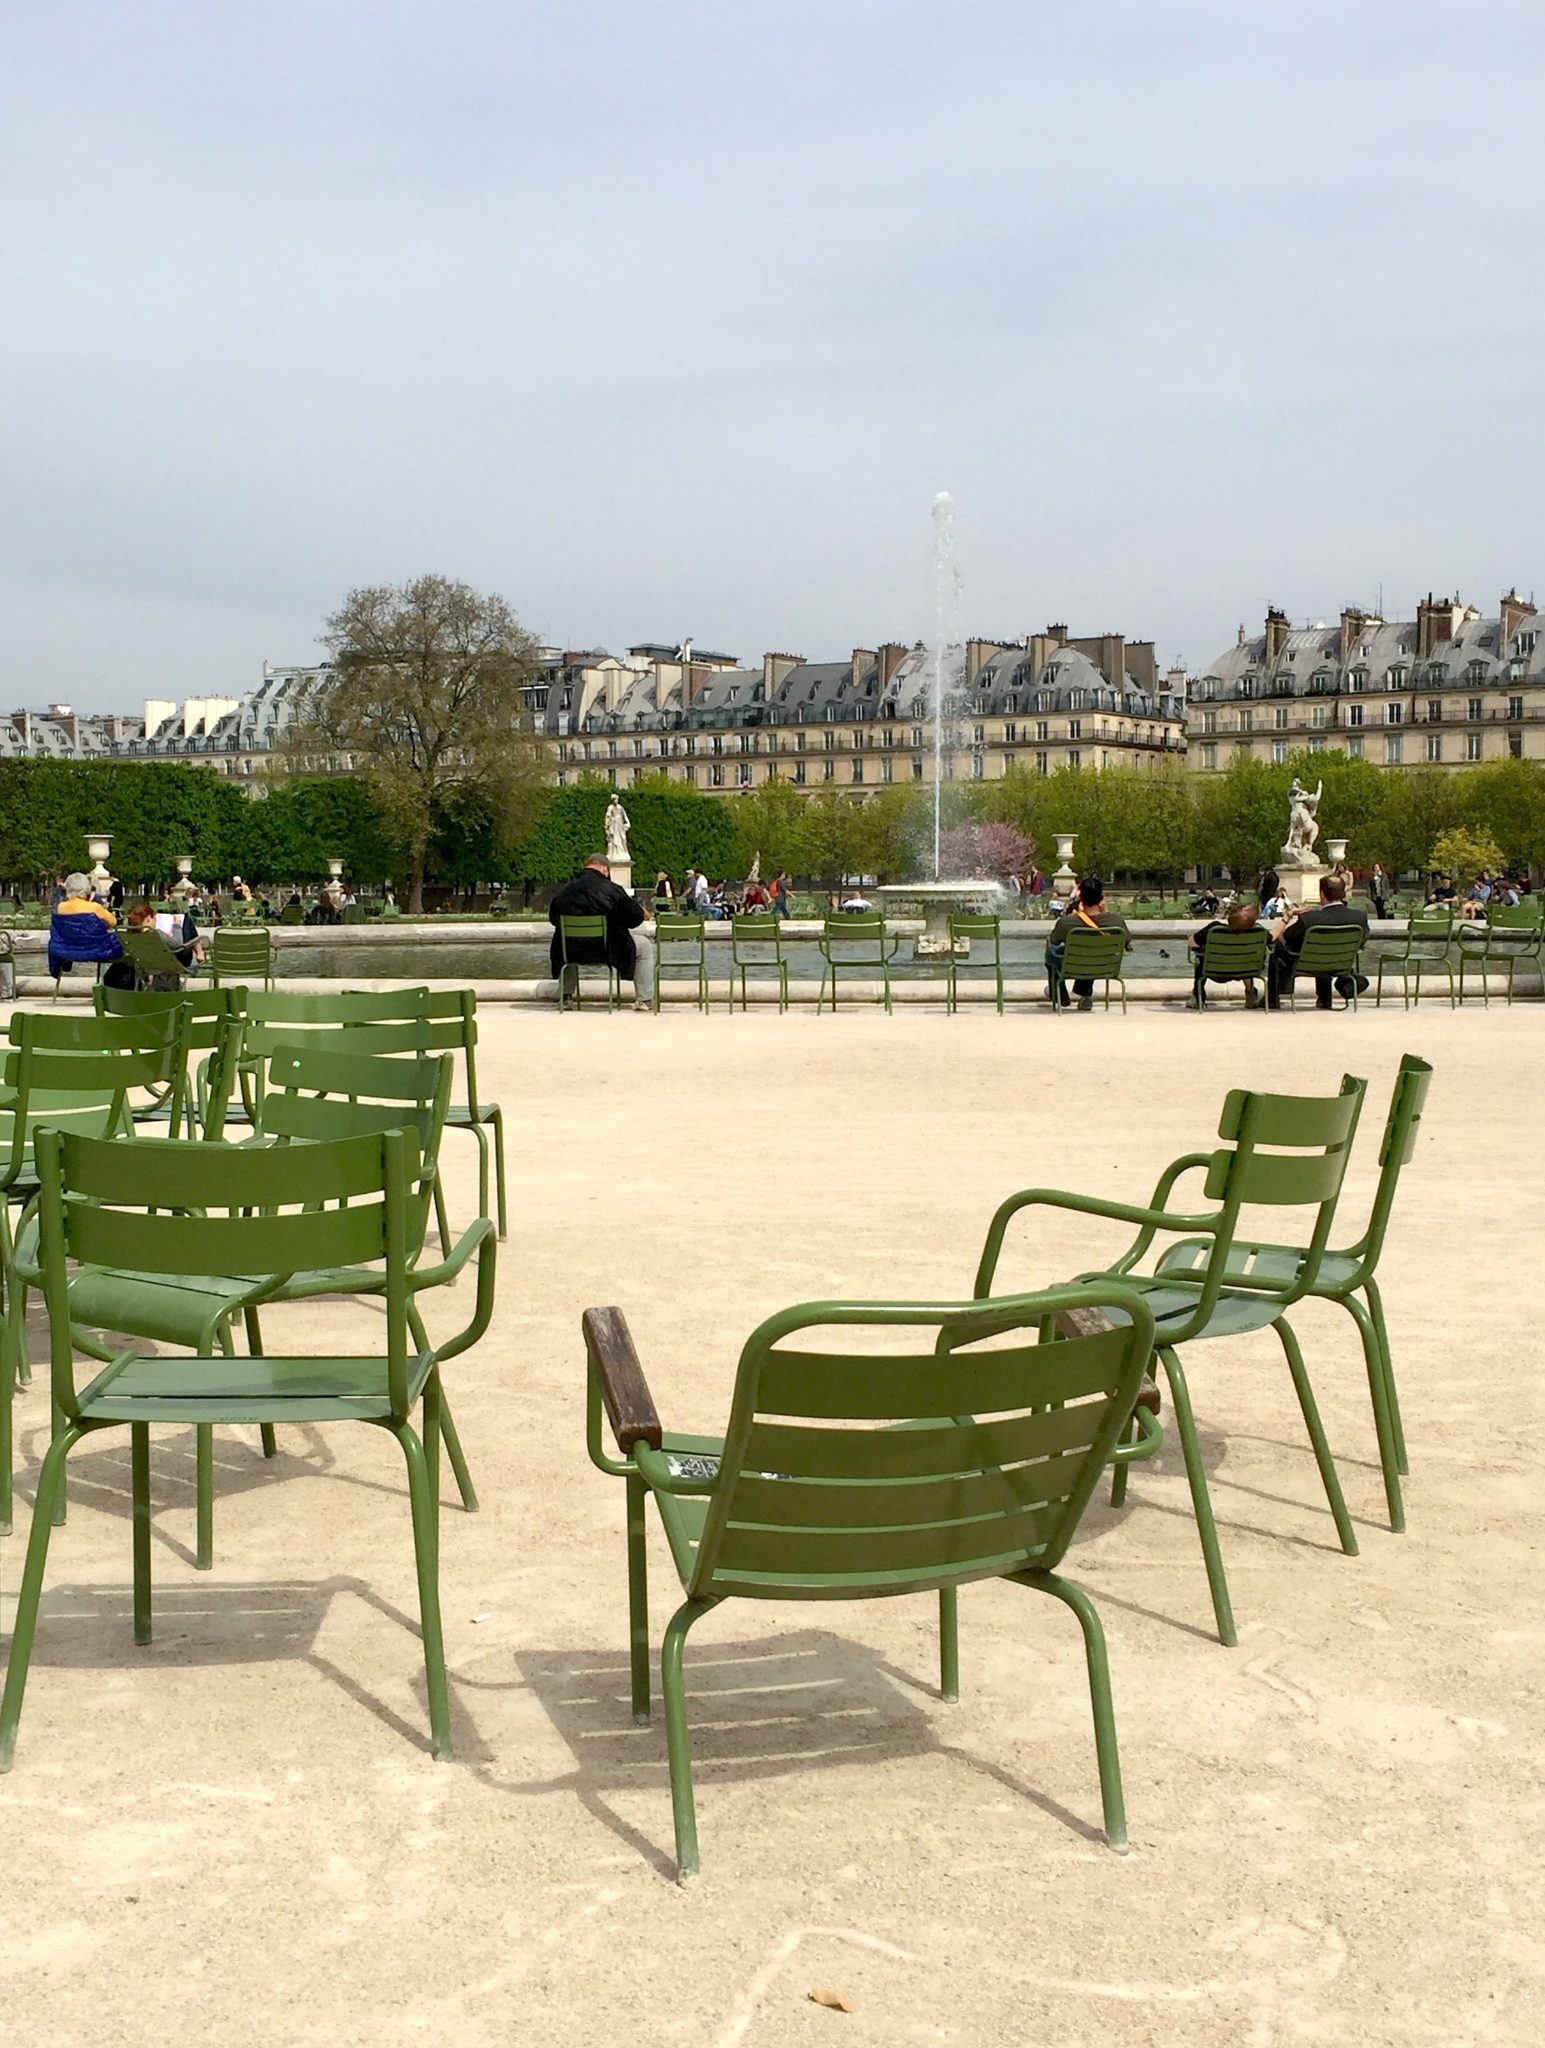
column 984, row 849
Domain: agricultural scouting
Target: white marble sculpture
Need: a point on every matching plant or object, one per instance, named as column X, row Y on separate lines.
column 1303, row 825
column 617, row 824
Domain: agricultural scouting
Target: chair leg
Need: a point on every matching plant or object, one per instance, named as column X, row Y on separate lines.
column 1391, row 1391
column 1112, row 1804
column 7, row 1404
column 949, row 1643
column 31, row 1588
column 677, row 1738
column 1316, row 1428
column 139, row 1457
column 204, row 1465
column 458, row 1461
column 426, row 1553
column 1118, row 1471
column 254, row 1328
column 1389, row 1464
column 482, row 1181
column 496, row 1124
column 638, row 1601
column 1201, row 1500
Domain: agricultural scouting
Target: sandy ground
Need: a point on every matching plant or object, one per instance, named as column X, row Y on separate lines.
column 237, row 1835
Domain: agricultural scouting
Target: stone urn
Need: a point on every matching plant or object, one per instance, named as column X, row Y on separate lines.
column 1336, row 851
column 1064, row 879
column 98, row 845
column 182, row 889
column 335, row 880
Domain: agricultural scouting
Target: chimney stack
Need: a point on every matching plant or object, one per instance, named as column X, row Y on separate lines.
column 891, row 656
column 1515, row 610
column 1277, row 630
column 776, row 668
column 863, row 662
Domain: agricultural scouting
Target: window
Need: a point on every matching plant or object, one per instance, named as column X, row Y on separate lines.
column 745, row 773
column 1317, row 744
column 1355, row 749
column 1472, row 746
column 1010, row 733
column 828, row 770
column 887, row 771
column 1280, row 719
column 1246, row 720
column 716, row 775
column 1209, row 757
column 1394, row 714
column 1515, row 707
column 1515, row 746
column 611, row 750
column 1354, row 714
column 1473, row 710
column 717, row 746
column 1043, row 729
column 978, row 735
column 1279, row 750
column 799, row 774
column 799, row 743
column 1008, row 764
column 828, row 739
column 1392, row 751
column 1319, row 714
column 1435, row 746
column 888, row 737
column 858, row 770
column 917, row 769
column 917, row 735
column 1434, row 710
column 1209, row 721
column 1525, row 643
column 1075, row 728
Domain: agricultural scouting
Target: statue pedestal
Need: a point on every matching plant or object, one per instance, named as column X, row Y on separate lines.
column 1301, row 885
column 622, row 874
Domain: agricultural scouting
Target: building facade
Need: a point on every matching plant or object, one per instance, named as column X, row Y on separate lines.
column 1449, row 688
column 1037, row 704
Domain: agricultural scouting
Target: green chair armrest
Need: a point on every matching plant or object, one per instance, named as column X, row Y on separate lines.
column 481, row 1238
column 1150, row 1436
column 654, row 1469
column 1145, row 1215
column 445, row 1270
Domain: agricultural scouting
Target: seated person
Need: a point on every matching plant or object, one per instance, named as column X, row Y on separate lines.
column 593, row 893
column 1205, row 902
column 1443, row 892
column 1477, row 896
column 1288, row 936
column 1242, row 918
column 80, row 928
column 1088, row 909
column 857, row 905
column 179, row 932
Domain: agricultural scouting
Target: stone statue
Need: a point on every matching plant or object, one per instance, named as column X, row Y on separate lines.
column 1303, row 826
column 617, row 824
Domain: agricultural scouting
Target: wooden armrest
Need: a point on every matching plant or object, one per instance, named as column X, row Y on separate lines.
column 1088, row 1322
column 625, row 1392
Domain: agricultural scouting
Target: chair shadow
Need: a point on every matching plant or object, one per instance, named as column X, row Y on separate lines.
column 759, row 1708
column 216, row 1624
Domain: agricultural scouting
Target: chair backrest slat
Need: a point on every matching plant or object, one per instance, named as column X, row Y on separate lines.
column 1331, row 949
column 1087, row 954
column 1234, row 952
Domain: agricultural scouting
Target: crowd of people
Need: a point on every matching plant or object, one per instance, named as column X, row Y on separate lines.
column 699, row 897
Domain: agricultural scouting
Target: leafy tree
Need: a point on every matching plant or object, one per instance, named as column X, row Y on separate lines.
column 1465, row 850
column 1507, row 798
column 425, row 694
column 672, row 827
column 833, row 841
column 767, row 822
column 1420, row 804
column 1242, row 816
column 896, row 823
column 1162, row 826
column 985, row 849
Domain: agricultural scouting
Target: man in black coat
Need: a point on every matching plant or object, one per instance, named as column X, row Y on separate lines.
column 593, row 893
column 1288, row 941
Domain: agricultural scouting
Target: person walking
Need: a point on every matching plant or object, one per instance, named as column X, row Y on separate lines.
column 1378, row 890
column 778, row 894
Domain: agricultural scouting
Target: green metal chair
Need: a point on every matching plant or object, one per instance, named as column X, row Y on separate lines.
column 292, row 913
column 583, row 931
column 1428, row 949
column 110, row 1204
column 855, row 942
column 1235, row 956
column 242, row 957
column 413, row 1020
column 274, row 1018
column 1336, row 950
column 1507, row 938
column 352, row 913
column 851, row 1472
column 1344, row 1275
column 156, row 966
column 1309, row 1138
column 81, row 1083
column 988, row 931
column 210, row 1020
column 680, row 943
column 756, row 947
column 1091, row 956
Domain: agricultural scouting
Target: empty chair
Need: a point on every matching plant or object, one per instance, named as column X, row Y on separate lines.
column 855, row 943
column 756, row 948
column 983, row 936
column 241, row 956
column 680, row 948
column 854, row 1466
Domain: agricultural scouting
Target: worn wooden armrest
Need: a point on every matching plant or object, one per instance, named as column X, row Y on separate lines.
column 1088, row 1322
column 625, row 1392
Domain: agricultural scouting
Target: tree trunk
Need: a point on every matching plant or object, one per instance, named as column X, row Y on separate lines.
column 415, row 903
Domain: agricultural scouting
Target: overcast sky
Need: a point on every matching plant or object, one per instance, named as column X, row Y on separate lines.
column 671, row 319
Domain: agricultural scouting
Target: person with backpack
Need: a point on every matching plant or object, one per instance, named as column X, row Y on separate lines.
column 1087, row 910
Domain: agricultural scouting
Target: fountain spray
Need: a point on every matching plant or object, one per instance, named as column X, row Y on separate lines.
column 946, row 593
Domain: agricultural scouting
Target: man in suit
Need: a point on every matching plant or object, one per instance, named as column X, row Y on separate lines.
column 1288, row 939
column 593, row 893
